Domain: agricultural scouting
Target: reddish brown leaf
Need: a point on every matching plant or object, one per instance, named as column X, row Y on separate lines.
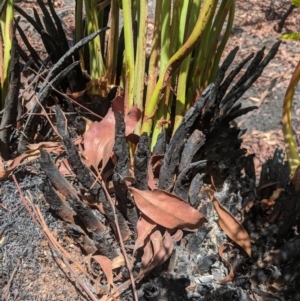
column 154, row 160
column 231, row 226
column 177, row 236
column 75, row 95
column 99, row 136
column 99, row 139
column 6, row 169
column 144, row 227
column 164, row 251
column 48, row 146
column 131, row 119
column 147, row 255
column 118, row 261
column 167, row 209
column 106, row 266
column 156, row 241
column 230, row 276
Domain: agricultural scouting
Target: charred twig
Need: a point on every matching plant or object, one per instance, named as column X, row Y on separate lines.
column 103, row 246
column 85, row 177
column 128, row 264
column 141, row 161
column 161, row 143
column 32, row 51
column 193, row 144
column 30, row 125
column 194, row 190
column 61, row 207
column 173, row 153
column 121, row 170
column 82, row 239
column 37, row 217
column 87, row 216
column 228, row 80
column 81, row 170
column 278, row 27
column 58, row 250
column 184, row 179
column 54, row 175
column 54, row 76
column 243, row 85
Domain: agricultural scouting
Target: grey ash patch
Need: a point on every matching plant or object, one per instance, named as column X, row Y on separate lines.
column 21, row 238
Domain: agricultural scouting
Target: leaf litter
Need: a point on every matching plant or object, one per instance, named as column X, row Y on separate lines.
column 157, row 242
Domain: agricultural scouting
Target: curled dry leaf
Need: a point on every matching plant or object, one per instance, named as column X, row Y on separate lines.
column 7, row 168
column 75, row 95
column 230, row 276
column 269, row 203
column 163, row 253
column 52, row 146
column 99, row 139
column 177, row 236
column 147, row 256
column 144, row 227
column 152, row 246
column 167, row 209
column 106, row 266
column 48, row 146
column 231, row 226
column 154, row 163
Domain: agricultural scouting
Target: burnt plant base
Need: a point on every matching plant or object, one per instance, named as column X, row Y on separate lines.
column 194, row 268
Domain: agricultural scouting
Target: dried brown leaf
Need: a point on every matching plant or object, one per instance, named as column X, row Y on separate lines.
column 106, row 266
column 177, row 236
column 147, row 254
column 163, row 253
column 75, row 95
column 99, row 138
column 6, row 169
column 230, row 276
column 156, row 241
column 48, row 146
column 231, row 226
column 144, row 227
column 118, row 261
column 154, row 160
column 167, row 209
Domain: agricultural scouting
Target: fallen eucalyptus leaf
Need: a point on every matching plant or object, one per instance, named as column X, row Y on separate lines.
column 231, row 226
column 167, row 209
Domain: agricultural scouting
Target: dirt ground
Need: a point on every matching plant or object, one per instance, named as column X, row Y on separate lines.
column 34, row 272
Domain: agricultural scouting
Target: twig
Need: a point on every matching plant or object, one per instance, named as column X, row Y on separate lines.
column 122, row 244
column 6, row 288
column 63, row 254
column 66, row 95
column 40, row 222
column 1, row 205
column 83, row 285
